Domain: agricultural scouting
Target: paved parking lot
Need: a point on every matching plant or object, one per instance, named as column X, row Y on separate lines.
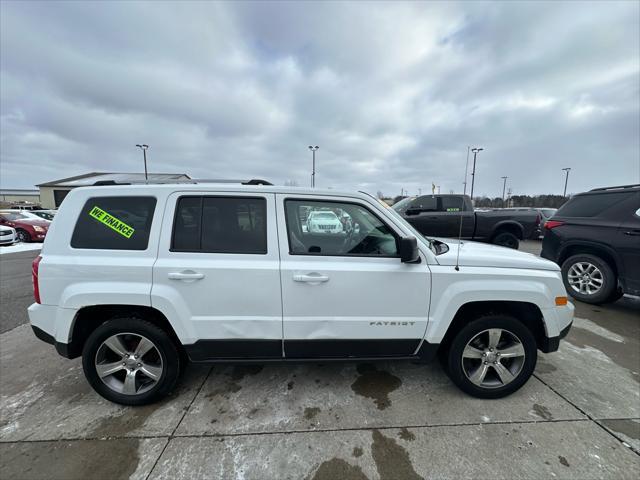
column 579, row 417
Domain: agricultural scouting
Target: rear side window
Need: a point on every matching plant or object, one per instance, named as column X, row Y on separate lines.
column 220, row 225
column 591, row 205
column 114, row 223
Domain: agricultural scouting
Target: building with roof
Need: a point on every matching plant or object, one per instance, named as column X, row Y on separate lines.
column 53, row 193
column 10, row 196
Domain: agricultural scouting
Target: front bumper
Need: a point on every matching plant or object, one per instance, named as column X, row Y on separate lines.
column 551, row 344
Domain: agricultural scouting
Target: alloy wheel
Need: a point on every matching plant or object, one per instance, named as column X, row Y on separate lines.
column 493, row 358
column 129, row 363
column 585, row 278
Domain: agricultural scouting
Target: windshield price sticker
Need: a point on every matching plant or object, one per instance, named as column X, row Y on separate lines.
column 112, row 222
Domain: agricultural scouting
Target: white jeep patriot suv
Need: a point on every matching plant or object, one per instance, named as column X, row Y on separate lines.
column 139, row 279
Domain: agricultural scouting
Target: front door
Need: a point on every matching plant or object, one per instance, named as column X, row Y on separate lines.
column 345, row 292
column 217, row 273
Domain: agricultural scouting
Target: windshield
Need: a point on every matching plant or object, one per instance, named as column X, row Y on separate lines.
column 324, row 215
column 13, row 216
column 421, row 238
column 402, row 204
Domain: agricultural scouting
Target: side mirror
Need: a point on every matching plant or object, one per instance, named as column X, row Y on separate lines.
column 413, row 211
column 408, row 249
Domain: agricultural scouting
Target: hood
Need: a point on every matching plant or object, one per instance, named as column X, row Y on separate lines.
column 32, row 221
column 474, row 254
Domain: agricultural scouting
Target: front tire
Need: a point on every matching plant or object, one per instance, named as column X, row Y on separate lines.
column 492, row 356
column 506, row 239
column 23, row 236
column 131, row 361
column 589, row 278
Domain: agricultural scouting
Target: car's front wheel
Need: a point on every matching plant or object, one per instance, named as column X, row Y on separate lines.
column 589, row 278
column 130, row 361
column 23, row 236
column 492, row 356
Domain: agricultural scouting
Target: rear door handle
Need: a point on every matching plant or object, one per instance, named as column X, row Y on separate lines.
column 311, row 278
column 185, row 275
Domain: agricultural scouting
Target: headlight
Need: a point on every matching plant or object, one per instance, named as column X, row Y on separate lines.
column 38, row 229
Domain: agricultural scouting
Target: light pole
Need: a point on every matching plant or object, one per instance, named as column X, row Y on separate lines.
column 566, row 180
column 466, row 169
column 144, row 147
column 475, row 151
column 313, row 167
column 504, row 186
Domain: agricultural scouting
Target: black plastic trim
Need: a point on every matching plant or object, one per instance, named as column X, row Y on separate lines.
column 63, row 349
column 551, row 344
column 350, row 348
column 212, row 350
column 267, row 351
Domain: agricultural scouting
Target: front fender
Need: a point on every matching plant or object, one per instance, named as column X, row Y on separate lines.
column 452, row 289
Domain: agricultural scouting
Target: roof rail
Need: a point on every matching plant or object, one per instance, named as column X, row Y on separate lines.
column 602, row 189
column 253, row 181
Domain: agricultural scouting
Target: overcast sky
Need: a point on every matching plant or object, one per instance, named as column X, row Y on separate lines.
column 393, row 93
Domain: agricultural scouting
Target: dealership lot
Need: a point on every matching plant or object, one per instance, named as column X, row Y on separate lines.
column 579, row 417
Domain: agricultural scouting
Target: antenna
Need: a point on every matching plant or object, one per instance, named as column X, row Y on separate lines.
column 466, row 170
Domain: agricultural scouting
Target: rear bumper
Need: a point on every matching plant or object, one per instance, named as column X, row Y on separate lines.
column 61, row 348
column 53, row 325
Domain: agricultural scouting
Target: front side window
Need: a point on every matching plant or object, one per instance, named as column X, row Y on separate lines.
column 114, row 223
column 220, row 225
column 426, row 203
column 338, row 229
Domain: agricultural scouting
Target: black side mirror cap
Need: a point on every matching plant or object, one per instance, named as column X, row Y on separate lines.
column 408, row 249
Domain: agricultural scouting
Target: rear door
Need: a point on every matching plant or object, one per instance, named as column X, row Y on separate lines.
column 217, row 272
column 628, row 243
column 345, row 293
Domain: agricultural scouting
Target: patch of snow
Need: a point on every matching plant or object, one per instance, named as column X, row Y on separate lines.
column 19, row 247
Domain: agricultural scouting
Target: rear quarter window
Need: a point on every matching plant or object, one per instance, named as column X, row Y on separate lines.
column 114, row 223
column 591, row 205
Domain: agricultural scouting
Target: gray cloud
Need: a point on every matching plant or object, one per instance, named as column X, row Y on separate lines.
column 392, row 92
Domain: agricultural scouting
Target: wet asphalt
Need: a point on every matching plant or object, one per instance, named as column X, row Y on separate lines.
column 578, row 417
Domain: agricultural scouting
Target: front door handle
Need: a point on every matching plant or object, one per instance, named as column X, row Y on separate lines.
column 311, row 278
column 185, row 275
column 633, row 232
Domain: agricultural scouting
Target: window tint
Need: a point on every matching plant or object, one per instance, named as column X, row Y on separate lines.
column 338, row 229
column 451, row 204
column 591, row 205
column 220, row 225
column 114, row 223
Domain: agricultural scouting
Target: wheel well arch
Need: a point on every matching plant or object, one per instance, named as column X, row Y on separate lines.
column 87, row 319
column 510, row 227
column 590, row 249
column 527, row 313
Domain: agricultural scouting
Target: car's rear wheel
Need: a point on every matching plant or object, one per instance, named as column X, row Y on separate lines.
column 506, row 239
column 492, row 357
column 131, row 361
column 588, row 278
column 23, row 236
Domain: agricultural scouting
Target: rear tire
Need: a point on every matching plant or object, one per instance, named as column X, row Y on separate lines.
column 485, row 373
column 131, row 361
column 23, row 236
column 506, row 239
column 588, row 278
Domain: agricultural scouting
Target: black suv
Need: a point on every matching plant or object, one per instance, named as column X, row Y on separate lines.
column 595, row 238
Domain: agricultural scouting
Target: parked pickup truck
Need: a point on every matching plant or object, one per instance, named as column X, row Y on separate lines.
column 138, row 279
column 440, row 216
